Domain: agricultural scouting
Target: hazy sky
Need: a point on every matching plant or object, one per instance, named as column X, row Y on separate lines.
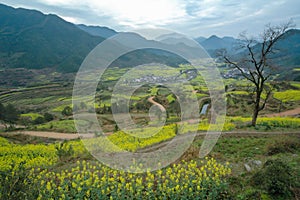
column 190, row 17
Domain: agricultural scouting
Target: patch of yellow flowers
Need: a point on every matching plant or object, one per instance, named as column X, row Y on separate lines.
column 11, row 155
column 279, row 122
column 186, row 180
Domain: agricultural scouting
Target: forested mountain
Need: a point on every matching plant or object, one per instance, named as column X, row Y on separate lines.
column 32, row 40
column 101, row 31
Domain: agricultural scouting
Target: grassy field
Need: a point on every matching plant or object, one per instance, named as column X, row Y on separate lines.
column 222, row 174
column 244, row 164
column 288, row 95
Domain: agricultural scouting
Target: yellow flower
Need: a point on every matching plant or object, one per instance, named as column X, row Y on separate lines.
column 48, row 186
column 74, row 185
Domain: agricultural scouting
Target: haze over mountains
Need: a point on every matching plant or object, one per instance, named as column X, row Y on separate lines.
column 32, row 40
column 104, row 32
column 29, row 39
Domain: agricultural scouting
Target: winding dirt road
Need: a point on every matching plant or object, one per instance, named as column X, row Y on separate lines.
column 150, row 99
column 71, row 136
column 54, row 135
column 287, row 113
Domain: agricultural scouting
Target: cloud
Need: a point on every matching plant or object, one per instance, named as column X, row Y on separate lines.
column 130, row 12
column 70, row 19
column 191, row 17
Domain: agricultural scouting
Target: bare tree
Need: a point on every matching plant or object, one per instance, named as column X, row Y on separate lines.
column 256, row 66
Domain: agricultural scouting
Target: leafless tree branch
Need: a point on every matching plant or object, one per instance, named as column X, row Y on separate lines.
column 253, row 67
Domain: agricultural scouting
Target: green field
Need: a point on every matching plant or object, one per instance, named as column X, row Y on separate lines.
column 242, row 157
column 288, row 95
column 221, row 174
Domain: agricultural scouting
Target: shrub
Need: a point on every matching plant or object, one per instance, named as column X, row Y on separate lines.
column 64, row 151
column 67, row 111
column 48, row 117
column 15, row 182
column 285, row 146
column 249, row 194
column 275, row 177
column 39, row 120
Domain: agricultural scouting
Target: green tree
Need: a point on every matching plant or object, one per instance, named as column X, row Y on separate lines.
column 2, row 111
column 67, row 111
column 48, row 117
column 116, row 128
column 39, row 120
column 10, row 115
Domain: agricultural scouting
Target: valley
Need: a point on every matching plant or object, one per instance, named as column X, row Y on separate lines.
column 155, row 126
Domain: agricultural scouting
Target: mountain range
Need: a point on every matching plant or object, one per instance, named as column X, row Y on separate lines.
column 104, row 32
column 32, row 40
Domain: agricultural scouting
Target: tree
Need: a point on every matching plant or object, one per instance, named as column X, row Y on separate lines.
column 48, row 117
column 9, row 114
column 116, row 128
column 2, row 111
column 67, row 111
column 256, row 66
column 39, row 120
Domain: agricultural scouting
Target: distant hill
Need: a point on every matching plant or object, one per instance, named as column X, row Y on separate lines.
column 285, row 60
column 101, row 31
column 29, row 39
column 200, row 39
column 214, row 43
column 287, row 55
column 149, row 55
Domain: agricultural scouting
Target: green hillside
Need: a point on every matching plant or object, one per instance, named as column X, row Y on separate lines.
column 29, row 39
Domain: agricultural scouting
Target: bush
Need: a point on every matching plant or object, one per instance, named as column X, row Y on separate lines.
column 15, row 182
column 276, row 178
column 286, row 146
column 249, row 194
column 67, row 111
column 64, row 151
column 39, row 120
column 48, row 117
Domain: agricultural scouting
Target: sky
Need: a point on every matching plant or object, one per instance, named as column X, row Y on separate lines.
column 192, row 18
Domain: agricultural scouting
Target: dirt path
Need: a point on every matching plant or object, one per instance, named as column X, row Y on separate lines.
column 55, row 135
column 150, row 99
column 70, row 136
column 293, row 112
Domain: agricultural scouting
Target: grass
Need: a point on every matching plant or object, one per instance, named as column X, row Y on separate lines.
column 267, row 123
column 200, row 95
column 61, row 108
column 239, row 149
column 288, row 95
column 33, row 116
column 65, row 126
column 153, row 91
column 295, row 84
column 236, row 148
column 238, row 92
column 170, row 98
